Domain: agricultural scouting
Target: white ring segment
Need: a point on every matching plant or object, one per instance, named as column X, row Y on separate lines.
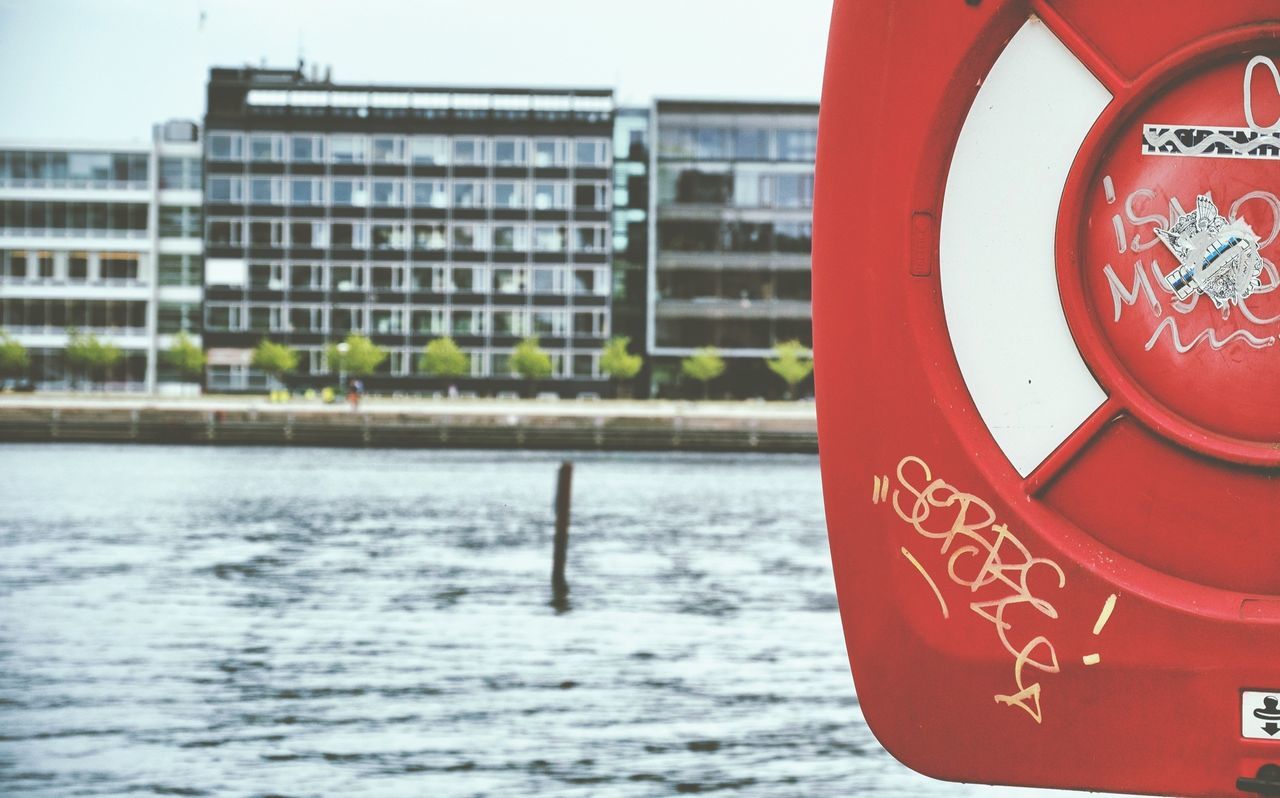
column 996, row 246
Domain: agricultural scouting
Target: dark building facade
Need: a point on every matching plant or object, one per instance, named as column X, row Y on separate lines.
column 406, row 214
column 731, row 232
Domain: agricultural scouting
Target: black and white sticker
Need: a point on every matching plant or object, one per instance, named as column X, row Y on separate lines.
column 1260, row 715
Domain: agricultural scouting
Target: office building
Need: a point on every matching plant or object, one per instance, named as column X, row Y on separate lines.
column 631, row 232
column 81, row 252
column 406, row 214
column 731, row 232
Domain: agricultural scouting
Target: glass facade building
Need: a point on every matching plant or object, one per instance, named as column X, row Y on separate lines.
column 406, row 214
column 82, row 232
column 731, row 225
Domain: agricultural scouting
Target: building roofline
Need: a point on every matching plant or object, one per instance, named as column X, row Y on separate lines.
column 131, row 146
column 693, row 104
column 252, row 77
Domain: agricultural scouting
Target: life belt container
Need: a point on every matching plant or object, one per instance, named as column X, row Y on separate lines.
column 1047, row 332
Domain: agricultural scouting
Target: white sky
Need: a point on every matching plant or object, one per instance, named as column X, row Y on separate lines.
column 107, row 69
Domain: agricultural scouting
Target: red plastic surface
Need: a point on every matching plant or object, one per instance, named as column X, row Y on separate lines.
column 983, row 637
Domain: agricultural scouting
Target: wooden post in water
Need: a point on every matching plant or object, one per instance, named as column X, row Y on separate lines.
column 559, row 585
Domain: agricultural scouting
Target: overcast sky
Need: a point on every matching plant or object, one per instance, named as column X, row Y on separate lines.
column 107, row 69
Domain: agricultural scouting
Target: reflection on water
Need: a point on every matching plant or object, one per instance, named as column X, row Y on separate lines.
column 219, row 621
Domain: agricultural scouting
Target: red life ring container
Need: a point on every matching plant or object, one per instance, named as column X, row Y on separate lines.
column 1051, row 468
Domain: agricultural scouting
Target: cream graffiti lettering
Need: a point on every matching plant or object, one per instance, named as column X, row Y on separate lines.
column 984, row 557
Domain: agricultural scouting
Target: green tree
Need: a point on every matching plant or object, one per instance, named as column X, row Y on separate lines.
column 620, row 364
column 356, row 356
column 14, row 359
column 441, row 357
column 186, row 356
column 89, row 356
column 792, row 361
column 704, row 365
column 276, row 360
column 530, row 361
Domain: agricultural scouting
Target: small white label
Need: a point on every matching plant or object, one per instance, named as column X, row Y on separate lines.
column 1260, row 715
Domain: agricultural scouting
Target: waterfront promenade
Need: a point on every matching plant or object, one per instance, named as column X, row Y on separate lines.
column 414, row 423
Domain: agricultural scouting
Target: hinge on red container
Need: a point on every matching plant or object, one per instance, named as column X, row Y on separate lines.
column 1267, row 782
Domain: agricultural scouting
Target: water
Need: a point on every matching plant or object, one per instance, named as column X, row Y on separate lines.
column 225, row 621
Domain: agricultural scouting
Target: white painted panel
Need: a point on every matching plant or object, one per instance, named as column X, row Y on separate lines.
column 226, row 271
column 999, row 215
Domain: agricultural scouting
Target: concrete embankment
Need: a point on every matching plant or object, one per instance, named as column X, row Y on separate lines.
column 604, row 425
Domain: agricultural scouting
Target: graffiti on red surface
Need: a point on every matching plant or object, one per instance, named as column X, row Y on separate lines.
column 989, row 561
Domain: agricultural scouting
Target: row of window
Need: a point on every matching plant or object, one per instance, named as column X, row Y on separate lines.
column 434, row 278
column 73, row 169
column 404, row 362
column 463, row 236
column 348, row 148
column 57, row 315
column 395, row 193
column 716, row 236
column 69, row 267
column 740, row 186
column 738, row 143
column 398, row 320
column 180, row 173
column 128, row 219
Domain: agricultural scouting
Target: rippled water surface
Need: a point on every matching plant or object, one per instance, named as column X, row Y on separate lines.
column 223, row 621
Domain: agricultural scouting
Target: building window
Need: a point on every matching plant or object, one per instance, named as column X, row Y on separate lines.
column 388, row 149
column 548, row 196
column 431, row 150
column 794, row 191
column 266, row 275
column 428, row 278
column 469, row 237
column 78, row 267
column 549, row 238
column 353, row 193
column 469, row 151
column 306, row 191
column 347, row 149
column 465, row 321
column 511, row 238
column 179, row 270
column 591, row 196
column 550, row 152
column 180, row 173
column 753, row 144
column 309, row 235
column 179, row 222
column 349, row 235
column 267, row 233
column 427, row 322
column 430, row 194
column 388, row 192
column 591, row 152
column 468, row 194
column 265, row 147
column 226, row 190
column 222, row 317
column 265, row 190
column 510, row 152
column 797, row 145
column 509, row 194
column 387, row 321
column 306, row 277
column 306, row 149
column 226, row 232
column 548, row 281
column 389, row 236
column 429, row 236
column 508, row 280
column 463, row 278
column 176, row 317
column 225, row 146
column 347, row 278
column 590, row 238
